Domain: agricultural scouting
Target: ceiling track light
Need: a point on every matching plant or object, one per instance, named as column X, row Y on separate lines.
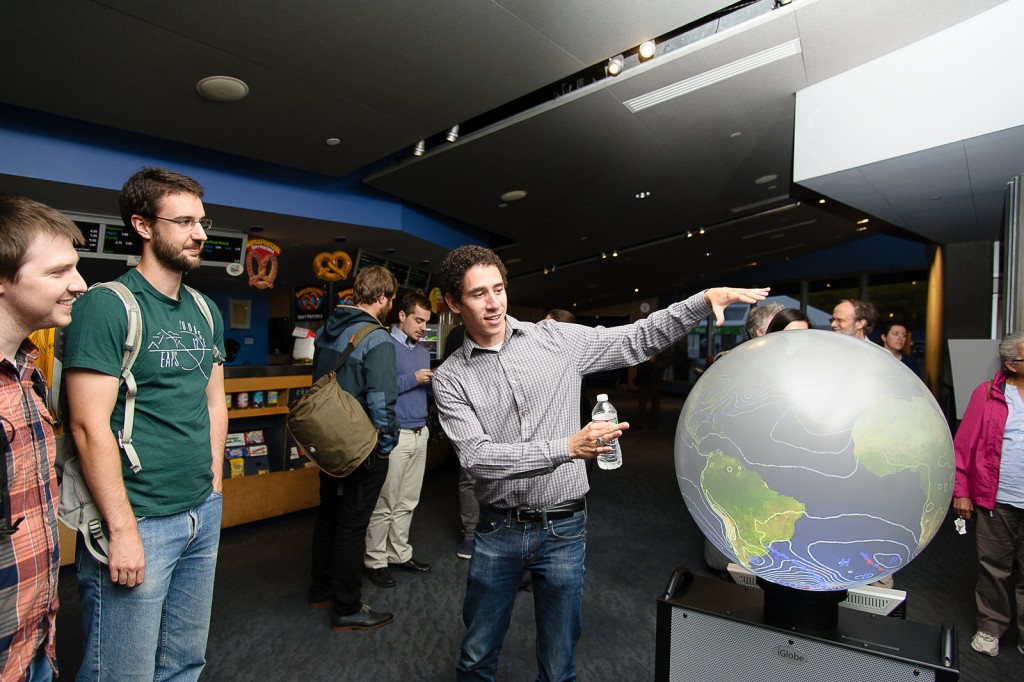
column 420, row 148
column 646, row 50
column 453, row 133
column 615, row 65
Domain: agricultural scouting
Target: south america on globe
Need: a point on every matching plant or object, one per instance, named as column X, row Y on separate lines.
column 814, row 459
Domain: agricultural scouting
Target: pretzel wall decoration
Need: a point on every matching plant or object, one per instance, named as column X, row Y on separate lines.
column 332, row 267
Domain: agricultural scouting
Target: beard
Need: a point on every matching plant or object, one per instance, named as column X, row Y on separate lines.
column 170, row 256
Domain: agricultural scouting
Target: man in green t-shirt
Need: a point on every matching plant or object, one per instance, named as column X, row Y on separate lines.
column 163, row 520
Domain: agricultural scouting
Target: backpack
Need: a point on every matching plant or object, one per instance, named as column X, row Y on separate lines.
column 329, row 424
column 76, row 508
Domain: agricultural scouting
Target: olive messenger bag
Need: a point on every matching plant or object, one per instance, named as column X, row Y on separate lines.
column 329, row 425
column 77, row 509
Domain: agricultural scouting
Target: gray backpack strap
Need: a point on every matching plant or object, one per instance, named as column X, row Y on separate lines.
column 204, row 308
column 132, row 346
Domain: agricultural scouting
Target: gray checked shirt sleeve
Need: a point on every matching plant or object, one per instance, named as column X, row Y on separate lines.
column 510, row 413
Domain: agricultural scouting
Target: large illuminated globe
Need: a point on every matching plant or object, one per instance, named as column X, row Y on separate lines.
column 814, row 459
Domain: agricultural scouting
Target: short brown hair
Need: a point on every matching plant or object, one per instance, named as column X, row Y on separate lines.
column 456, row 263
column 412, row 300
column 141, row 193
column 373, row 282
column 21, row 220
column 863, row 310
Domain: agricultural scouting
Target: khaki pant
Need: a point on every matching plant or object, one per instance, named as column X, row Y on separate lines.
column 387, row 536
column 1000, row 537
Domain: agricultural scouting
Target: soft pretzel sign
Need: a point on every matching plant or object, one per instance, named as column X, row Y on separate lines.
column 261, row 263
column 332, row 267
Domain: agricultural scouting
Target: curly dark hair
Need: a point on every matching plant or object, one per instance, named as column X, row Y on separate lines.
column 457, row 262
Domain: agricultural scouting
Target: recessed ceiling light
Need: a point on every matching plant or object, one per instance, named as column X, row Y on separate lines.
column 935, row 197
column 636, row 291
column 256, row 228
column 222, row 88
column 502, row 205
column 513, row 195
column 862, row 229
column 390, row 251
column 862, row 221
column 340, row 238
column 332, row 141
column 821, row 201
column 765, row 179
column 736, row 134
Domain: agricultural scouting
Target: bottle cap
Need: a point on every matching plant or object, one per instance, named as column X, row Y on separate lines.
column 602, row 397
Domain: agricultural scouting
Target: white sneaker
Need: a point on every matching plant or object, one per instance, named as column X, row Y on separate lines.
column 985, row 643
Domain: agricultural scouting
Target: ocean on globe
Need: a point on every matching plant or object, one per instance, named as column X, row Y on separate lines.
column 814, row 459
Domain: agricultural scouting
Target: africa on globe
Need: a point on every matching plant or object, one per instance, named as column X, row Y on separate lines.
column 814, row 459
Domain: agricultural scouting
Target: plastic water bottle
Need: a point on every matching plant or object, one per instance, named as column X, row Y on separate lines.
column 605, row 412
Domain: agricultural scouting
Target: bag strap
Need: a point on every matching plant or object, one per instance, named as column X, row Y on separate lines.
column 355, row 340
column 132, row 346
column 204, row 308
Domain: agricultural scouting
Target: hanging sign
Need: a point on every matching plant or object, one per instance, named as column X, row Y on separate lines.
column 261, row 263
column 332, row 267
column 310, row 302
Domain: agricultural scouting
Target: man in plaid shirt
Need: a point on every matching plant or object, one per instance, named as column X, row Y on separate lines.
column 38, row 282
column 509, row 401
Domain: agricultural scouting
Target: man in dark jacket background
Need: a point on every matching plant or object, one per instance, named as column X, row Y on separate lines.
column 339, row 536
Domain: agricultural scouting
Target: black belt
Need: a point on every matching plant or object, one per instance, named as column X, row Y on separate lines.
column 533, row 515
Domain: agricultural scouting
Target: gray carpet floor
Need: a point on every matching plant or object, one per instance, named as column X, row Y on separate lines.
column 639, row 531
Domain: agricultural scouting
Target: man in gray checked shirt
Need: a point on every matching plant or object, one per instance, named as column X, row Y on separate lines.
column 509, row 401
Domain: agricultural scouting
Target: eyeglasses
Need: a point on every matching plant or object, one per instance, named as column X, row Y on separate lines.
column 189, row 222
column 837, row 319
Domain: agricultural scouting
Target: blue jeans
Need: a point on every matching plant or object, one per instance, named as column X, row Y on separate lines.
column 156, row 630
column 39, row 670
column 554, row 554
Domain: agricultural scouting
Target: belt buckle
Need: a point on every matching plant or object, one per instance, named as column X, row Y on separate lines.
column 523, row 509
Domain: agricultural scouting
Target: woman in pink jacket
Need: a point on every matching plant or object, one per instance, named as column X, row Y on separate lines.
column 989, row 449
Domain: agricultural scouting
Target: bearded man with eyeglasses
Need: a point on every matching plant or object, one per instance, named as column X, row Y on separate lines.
column 146, row 615
column 854, row 318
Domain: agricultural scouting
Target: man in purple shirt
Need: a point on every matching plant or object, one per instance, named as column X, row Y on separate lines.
column 387, row 537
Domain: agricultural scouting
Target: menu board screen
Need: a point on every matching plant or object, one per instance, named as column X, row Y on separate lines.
column 418, row 279
column 121, row 241
column 91, row 232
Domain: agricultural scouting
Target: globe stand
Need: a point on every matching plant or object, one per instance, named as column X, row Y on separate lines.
column 801, row 609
